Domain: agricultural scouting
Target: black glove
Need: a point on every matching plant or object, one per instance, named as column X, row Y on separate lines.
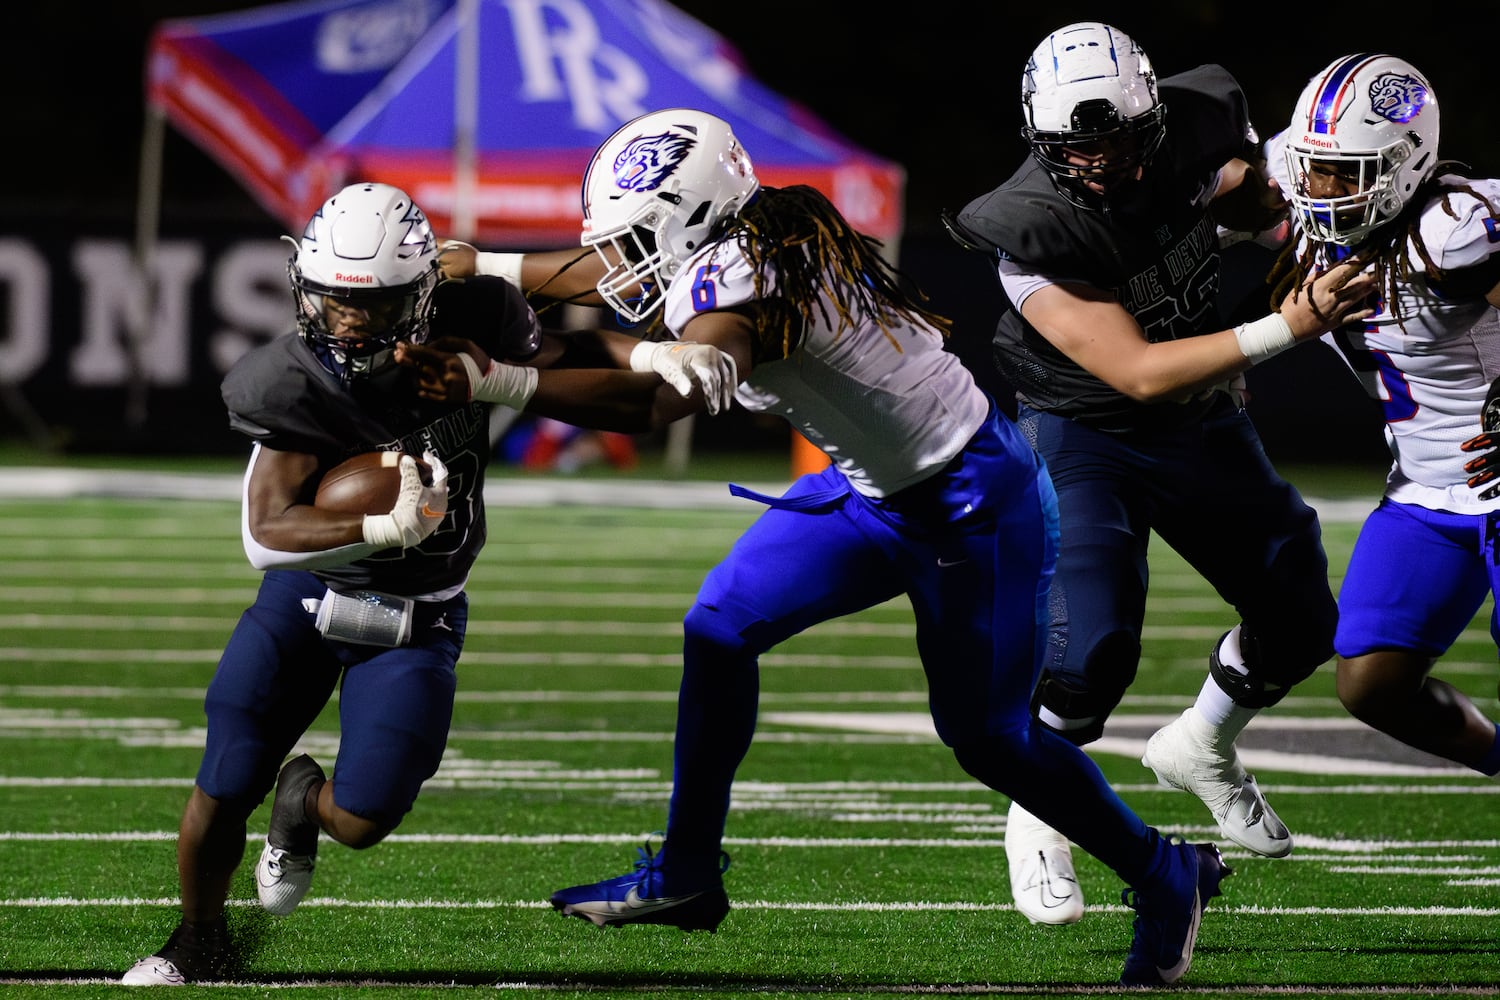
column 1486, row 467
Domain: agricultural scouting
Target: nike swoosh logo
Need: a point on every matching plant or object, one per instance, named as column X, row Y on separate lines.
column 635, row 904
column 1041, row 881
column 266, row 878
column 1052, row 900
column 945, row 563
column 429, row 512
column 1046, row 895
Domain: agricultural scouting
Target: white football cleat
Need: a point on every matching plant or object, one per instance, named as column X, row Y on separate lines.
column 153, row 970
column 282, row 879
column 1042, row 881
column 285, row 869
column 1183, row 755
column 194, row 953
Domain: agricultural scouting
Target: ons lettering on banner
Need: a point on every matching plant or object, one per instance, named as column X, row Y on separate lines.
column 74, row 313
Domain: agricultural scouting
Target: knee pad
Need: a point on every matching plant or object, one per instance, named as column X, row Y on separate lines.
column 730, row 630
column 707, row 625
column 238, row 774
column 1109, row 670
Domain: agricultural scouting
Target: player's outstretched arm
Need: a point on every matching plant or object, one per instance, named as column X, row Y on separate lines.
column 1094, row 330
column 572, row 275
column 456, row 371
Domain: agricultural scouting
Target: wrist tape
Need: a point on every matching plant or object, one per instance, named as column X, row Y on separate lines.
column 499, row 265
column 1264, row 338
column 380, row 530
column 641, row 355
column 512, row 385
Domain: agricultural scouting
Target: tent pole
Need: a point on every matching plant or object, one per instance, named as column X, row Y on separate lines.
column 465, row 119
column 147, row 223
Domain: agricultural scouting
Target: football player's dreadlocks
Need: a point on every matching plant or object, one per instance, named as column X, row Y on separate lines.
column 796, row 234
column 1390, row 248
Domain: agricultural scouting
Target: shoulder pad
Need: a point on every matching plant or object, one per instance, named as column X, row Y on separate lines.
column 1207, row 109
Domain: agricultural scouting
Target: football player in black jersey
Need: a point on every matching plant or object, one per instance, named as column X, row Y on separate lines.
column 374, row 600
column 1107, row 247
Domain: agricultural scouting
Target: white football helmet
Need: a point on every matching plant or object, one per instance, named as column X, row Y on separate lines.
column 1090, row 90
column 1373, row 118
column 369, row 249
column 653, row 194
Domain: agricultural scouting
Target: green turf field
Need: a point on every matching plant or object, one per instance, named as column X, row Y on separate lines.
column 864, row 861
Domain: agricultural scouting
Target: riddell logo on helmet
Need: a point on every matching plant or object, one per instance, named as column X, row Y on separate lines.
column 353, row 279
column 1319, row 142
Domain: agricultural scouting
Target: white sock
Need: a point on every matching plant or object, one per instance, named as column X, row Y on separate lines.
column 1230, row 656
column 1218, row 718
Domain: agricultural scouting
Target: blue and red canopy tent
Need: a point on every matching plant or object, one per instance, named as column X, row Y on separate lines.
column 485, row 111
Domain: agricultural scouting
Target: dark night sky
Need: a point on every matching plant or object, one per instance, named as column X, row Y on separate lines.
column 935, row 88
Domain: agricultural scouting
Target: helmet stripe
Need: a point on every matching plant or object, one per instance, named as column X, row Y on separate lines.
column 1332, row 92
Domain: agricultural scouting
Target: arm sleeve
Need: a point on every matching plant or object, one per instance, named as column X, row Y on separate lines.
column 1020, row 281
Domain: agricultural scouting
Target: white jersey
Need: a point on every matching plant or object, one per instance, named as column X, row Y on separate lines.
column 1430, row 370
column 890, row 407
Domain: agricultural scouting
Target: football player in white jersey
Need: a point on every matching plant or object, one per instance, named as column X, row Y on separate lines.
column 1359, row 163
column 932, row 493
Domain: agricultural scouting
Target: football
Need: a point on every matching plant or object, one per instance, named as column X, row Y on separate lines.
column 365, row 484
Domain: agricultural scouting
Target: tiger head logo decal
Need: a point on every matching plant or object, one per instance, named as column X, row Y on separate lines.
column 1397, row 97
column 645, row 163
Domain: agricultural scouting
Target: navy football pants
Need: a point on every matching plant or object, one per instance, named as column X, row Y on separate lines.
column 1211, row 494
column 277, row 673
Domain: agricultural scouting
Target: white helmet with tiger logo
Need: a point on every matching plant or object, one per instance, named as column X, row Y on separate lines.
column 1373, row 118
column 652, row 196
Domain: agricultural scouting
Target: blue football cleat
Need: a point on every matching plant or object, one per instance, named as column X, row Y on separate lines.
column 643, row 896
column 1167, row 917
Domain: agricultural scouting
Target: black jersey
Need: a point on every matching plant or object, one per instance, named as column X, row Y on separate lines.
column 280, row 396
column 1156, row 250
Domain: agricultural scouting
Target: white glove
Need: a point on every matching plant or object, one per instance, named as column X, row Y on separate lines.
column 418, row 511
column 439, row 479
column 682, row 364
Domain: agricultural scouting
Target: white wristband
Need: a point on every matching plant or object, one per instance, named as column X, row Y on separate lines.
column 641, row 354
column 1264, row 338
column 380, row 531
column 512, row 385
column 499, row 265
